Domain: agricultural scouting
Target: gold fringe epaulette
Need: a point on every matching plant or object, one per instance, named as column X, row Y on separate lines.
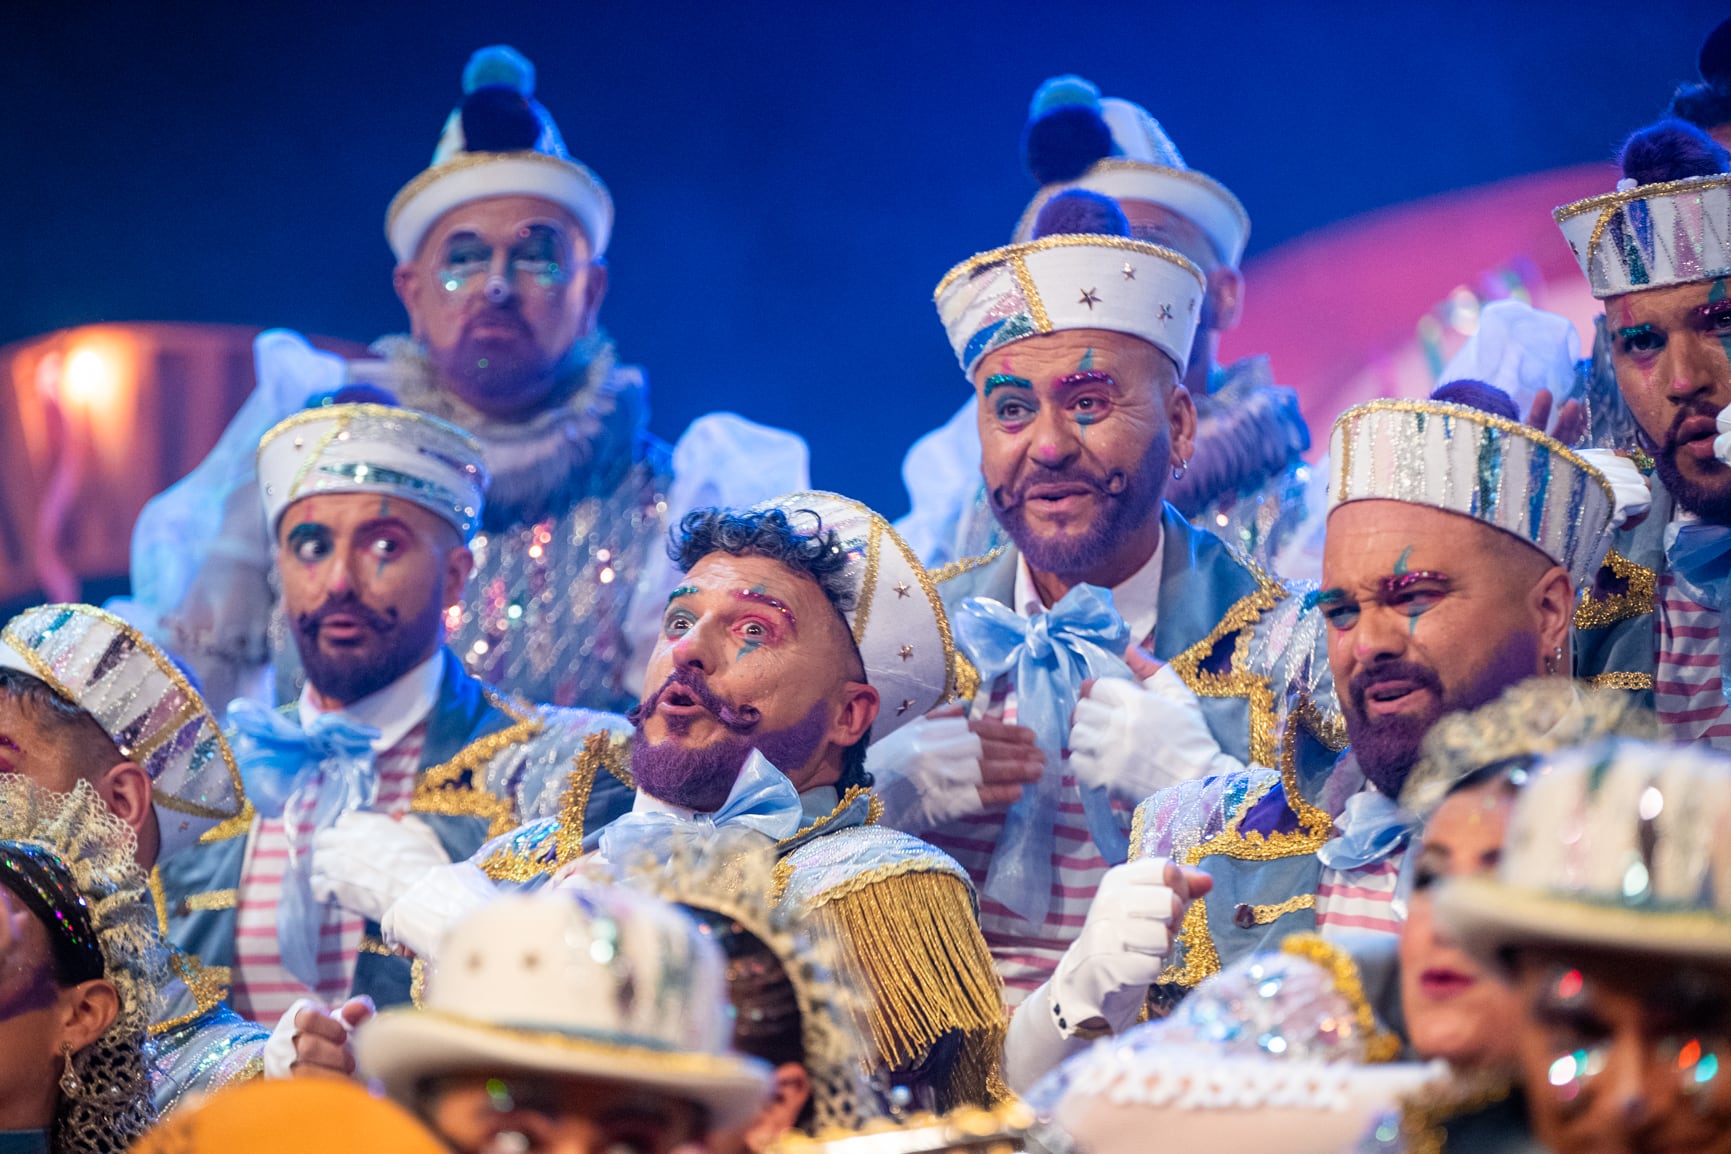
column 913, row 940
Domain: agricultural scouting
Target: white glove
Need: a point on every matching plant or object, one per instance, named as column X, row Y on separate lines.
column 1105, row 974
column 1629, row 488
column 1138, row 739
column 368, row 860
column 328, row 1047
column 927, row 773
column 445, row 895
column 1722, row 443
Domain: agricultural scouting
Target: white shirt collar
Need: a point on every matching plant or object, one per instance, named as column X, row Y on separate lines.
column 1137, row 599
column 393, row 710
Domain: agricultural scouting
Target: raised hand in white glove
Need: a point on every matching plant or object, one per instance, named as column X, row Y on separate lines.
column 1136, row 739
column 309, row 1039
column 368, row 860
column 417, row 921
column 1103, row 978
column 945, row 766
column 1630, row 488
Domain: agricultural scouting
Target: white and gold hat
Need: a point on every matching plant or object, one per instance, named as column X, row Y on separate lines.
column 593, row 981
column 1467, row 461
column 499, row 142
column 383, row 449
column 1073, row 281
column 1649, row 236
column 1621, row 845
column 143, row 702
column 1143, row 164
column 897, row 618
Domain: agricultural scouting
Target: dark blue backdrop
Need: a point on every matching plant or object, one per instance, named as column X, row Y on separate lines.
column 791, row 179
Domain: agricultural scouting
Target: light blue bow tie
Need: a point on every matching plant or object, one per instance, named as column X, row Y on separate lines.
column 322, row 771
column 762, row 801
column 1700, row 555
column 1371, row 828
column 1048, row 656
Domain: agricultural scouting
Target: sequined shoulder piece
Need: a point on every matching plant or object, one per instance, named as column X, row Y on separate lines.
column 848, row 860
column 1179, row 818
column 527, row 853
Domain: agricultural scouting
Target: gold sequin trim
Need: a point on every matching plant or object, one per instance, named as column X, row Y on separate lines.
column 1379, row 1045
column 214, row 900
column 1423, row 1116
column 237, row 826
column 967, row 564
column 414, row 416
column 847, row 799
column 1238, row 681
column 1641, row 192
column 441, row 789
column 1014, row 252
column 874, row 810
column 254, row 1068
column 376, row 946
column 207, row 984
column 1031, row 294
column 1267, row 915
column 1639, row 599
column 159, row 899
column 1620, row 680
column 868, row 585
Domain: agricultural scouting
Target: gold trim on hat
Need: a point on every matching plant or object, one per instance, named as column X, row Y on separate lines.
column 1640, row 192
column 464, row 161
column 368, row 409
column 1125, row 164
column 1013, row 252
column 1475, row 416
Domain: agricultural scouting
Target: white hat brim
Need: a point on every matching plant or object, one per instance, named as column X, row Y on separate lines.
column 1487, row 916
column 402, row 1047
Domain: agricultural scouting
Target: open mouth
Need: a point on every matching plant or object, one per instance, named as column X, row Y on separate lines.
column 1695, row 436
column 1442, row 982
column 1385, row 697
column 678, row 701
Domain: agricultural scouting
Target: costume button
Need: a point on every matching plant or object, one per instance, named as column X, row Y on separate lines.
column 1243, row 916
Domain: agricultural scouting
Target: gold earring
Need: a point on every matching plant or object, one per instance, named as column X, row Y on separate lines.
column 69, row 1083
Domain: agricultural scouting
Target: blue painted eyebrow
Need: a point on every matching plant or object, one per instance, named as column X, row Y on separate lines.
column 1006, row 381
column 682, row 591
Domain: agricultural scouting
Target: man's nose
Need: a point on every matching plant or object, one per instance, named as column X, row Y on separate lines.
column 338, row 577
column 500, row 286
column 695, row 649
column 1056, row 442
column 1381, row 635
column 1696, row 364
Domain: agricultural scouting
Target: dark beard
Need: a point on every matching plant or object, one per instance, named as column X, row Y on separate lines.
column 699, row 779
column 1710, row 503
column 1128, row 500
column 1387, row 748
column 347, row 676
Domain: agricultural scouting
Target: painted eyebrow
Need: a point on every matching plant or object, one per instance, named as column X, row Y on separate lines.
column 1635, row 330
column 762, row 598
column 1006, row 381
column 1085, row 377
column 682, row 591
column 1330, row 596
column 307, row 529
column 1401, row 580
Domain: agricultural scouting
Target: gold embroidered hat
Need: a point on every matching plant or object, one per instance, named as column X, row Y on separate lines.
column 1070, row 281
column 897, row 618
column 143, row 702
column 590, row 981
column 499, row 142
column 1646, row 236
column 1623, row 845
column 1068, row 119
column 1467, row 461
column 383, row 449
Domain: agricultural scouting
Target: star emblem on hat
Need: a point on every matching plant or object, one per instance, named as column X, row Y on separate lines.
column 1165, row 312
column 1090, row 297
column 905, row 652
column 901, row 588
column 1129, row 273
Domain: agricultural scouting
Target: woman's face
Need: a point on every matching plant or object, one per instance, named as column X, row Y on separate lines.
column 1454, row 1008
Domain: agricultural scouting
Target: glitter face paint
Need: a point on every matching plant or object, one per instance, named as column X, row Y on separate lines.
column 540, row 253
column 1006, row 381
column 1087, row 361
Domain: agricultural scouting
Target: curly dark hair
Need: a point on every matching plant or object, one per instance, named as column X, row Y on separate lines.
column 769, row 533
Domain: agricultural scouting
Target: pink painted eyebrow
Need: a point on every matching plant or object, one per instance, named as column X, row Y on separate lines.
column 1396, row 584
column 762, row 598
column 1086, row 377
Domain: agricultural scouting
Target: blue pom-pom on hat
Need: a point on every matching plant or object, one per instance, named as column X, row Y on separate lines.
column 1066, row 131
column 499, row 64
column 1077, row 210
column 1061, row 91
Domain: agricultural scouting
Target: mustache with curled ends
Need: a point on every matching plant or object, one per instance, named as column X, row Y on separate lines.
column 737, row 718
column 1112, row 485
column 1420, row 675
column 349, row 605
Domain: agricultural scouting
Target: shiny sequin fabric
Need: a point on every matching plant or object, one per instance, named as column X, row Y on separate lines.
column 145, row 705
column 1652, row 235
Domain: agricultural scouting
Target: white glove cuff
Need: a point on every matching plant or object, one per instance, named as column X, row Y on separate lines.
column 278, row 1055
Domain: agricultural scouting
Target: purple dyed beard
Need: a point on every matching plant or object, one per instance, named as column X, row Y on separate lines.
column 1128, row 500
column 347, row 675
column 1387, row 748
column 700, row 778
column 1710, row 503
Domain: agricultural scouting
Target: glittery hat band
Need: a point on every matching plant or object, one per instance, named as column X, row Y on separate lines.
column 1198, row 198
column 1059, row 283
column 44, row 884
column 1651, row 235
column 382, row 449
column 471, row 176
column 1463, row 460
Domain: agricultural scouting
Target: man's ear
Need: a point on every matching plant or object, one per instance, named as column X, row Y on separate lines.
column 127, row 790
column 859, row 709
column 1553, row 603
column 1181, row 413
column 459, row 564
column 410, row 286
column 1225, row 289
column 789, row 1092
column 85, row 1013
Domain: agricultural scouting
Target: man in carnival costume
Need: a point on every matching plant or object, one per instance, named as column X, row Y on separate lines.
column 1610, row 914
column 1456, row 541
column 1246, row 482
column 85, row 698
column 395, row 760
column 1658, row 253
column 799, row 629
column 1076, row 344
column 500, row 246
